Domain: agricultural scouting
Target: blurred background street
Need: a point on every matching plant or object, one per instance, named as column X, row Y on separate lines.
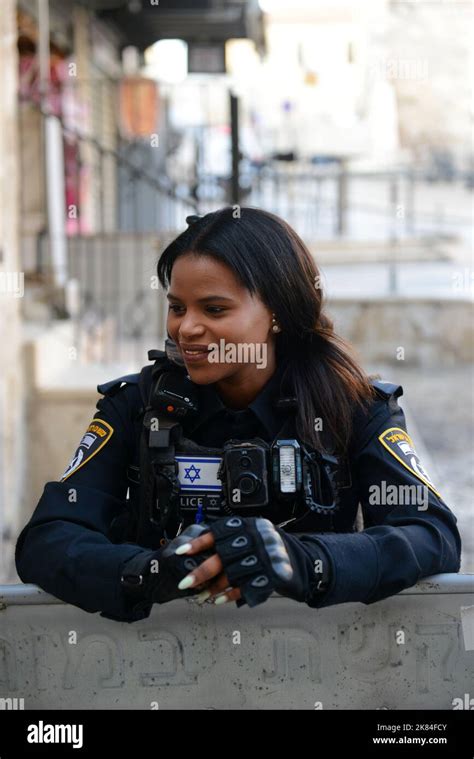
column 118, row 118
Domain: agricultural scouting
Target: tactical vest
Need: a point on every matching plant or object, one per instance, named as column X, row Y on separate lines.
column 163, row 448
column 158, row 516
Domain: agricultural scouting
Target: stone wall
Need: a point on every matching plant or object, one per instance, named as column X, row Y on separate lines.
column 428, row 47
column 431, row 332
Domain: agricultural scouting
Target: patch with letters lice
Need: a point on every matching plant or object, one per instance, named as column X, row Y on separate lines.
column 96, row 436
column 400, row 445
column 199, row 485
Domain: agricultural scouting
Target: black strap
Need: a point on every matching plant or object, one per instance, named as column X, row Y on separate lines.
column 159, row 487
column 158, row 468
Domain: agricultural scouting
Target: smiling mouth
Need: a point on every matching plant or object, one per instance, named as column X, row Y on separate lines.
column 195, row 356
column 195, row 353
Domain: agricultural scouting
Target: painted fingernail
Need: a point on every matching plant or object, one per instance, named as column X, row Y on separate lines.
column 203, row 596
column 221, row 600
column 183, row 549
column 186, row 582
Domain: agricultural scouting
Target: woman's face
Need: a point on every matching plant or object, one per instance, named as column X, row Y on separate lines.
column 210, row 310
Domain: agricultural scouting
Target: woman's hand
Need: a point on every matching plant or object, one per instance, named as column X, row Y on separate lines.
column 251, row 559
column 209, row 573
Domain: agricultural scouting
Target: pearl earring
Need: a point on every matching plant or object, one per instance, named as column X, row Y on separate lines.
column 275, row 327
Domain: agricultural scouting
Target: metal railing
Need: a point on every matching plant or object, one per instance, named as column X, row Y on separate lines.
column 335, row 202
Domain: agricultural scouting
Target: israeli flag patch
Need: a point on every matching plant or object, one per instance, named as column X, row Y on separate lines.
column 197, row 473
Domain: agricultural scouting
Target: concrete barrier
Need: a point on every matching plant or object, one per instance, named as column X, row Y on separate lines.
column 414, row 650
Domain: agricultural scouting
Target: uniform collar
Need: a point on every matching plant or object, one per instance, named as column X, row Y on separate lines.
column 263, row 406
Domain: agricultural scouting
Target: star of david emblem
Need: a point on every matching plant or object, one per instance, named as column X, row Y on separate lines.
column 191, row 473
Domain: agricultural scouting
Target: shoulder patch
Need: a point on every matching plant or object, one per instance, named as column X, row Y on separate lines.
column 96, row 436
column 400, row 445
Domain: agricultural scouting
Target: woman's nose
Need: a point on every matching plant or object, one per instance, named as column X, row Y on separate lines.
column 190, row 326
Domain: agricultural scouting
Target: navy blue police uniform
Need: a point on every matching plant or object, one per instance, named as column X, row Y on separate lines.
column 76, row 545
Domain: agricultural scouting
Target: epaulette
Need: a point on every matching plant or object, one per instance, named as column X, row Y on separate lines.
column 386, row 389
column 365, row 423
column 111, row 387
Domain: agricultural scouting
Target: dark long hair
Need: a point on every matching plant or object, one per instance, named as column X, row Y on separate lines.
column 270, row 259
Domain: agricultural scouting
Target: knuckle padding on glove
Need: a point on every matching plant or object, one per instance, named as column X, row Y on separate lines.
column 253, row 554
column 173, row 568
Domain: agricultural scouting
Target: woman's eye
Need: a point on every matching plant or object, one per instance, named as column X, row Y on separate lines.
column 211, row 309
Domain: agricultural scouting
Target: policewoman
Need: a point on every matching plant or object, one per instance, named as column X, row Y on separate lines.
column 233, row 466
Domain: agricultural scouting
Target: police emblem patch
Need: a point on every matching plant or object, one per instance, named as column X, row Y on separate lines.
column 96, row 436
column 401, row 446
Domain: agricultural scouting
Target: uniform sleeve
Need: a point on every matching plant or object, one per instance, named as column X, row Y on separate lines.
column 65, row 548
column 409, row 532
